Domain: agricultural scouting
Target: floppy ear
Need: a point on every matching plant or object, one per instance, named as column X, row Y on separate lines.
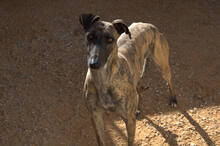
column 121, row 27
column 86, row 20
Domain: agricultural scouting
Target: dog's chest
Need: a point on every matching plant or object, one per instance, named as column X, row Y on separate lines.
column 116, row 90
column 115, row 96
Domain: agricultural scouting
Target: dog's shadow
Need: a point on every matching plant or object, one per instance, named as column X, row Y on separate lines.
column 168, row 135
column 199, row 129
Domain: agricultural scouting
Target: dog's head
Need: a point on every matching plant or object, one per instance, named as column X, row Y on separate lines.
column 101, row 38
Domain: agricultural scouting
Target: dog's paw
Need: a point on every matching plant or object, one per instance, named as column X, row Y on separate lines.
column 173, row 102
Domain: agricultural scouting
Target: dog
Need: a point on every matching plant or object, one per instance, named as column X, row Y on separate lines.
column 116, row 62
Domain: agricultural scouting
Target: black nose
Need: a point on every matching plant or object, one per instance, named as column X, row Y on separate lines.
column 94, row 63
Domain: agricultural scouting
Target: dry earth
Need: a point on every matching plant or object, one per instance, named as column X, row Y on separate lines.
column 43, row 66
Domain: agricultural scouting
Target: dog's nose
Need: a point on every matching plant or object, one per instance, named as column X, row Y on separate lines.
column 94, row 63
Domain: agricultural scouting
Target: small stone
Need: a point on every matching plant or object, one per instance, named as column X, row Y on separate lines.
column 206, row 128
column 203, row 118
column 177, row 123
column 192, row 144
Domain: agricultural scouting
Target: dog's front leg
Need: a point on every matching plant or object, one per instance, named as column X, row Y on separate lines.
column 130, row 119
column 98, row 124
column 131, row 126
column 95, row 112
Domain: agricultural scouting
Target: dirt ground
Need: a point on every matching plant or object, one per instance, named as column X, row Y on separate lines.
column 43, row 66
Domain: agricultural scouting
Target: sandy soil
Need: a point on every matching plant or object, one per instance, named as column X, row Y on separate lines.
column 43, row 66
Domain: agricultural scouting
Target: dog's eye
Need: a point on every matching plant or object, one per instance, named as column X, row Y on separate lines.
column 110, row 40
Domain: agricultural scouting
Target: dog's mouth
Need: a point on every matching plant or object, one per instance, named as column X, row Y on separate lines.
column 95, row 67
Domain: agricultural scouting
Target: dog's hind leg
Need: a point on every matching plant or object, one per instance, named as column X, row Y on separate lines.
column 161, row 57
column 98, row 124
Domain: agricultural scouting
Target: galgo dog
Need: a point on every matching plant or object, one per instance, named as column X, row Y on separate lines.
column 116, row 62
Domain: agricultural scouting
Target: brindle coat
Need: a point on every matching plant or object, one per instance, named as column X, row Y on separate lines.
column 120, row 58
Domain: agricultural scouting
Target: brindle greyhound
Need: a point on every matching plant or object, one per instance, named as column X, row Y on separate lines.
column 116, row 62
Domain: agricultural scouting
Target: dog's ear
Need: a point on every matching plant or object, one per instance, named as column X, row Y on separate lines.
column 86, row 20
column 121, row 27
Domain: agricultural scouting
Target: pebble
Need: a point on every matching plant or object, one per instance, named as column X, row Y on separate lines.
column 203, row 118
column 177, row 123
column 192, row 144
column 206, row 128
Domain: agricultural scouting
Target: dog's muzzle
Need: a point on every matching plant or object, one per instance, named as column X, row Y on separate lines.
column 94, row 63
